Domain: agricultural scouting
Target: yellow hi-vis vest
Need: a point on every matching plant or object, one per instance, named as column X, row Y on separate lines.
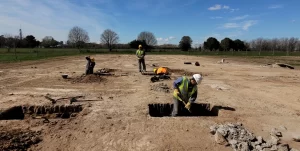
column 139, row 53
column 183, row 89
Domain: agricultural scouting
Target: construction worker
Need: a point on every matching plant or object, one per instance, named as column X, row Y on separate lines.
column 185, row 92
column 87, row 67
column 161, row 71
column 140, row 53
column 92, row 65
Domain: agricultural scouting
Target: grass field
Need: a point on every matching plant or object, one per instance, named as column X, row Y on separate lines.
column 22, row 54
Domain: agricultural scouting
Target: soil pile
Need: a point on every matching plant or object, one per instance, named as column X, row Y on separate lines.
column 88, row 79
column 160, row 87
column 18, row 140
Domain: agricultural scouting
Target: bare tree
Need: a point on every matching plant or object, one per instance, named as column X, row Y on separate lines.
column 148, row 37
column 259, row 44
column 109, row 38
column 298, row 46
column 9, row 41
column 78, row 37
column 292, row 43
column 274, row 45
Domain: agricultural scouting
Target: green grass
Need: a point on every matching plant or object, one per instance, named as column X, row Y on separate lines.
column 23, row 54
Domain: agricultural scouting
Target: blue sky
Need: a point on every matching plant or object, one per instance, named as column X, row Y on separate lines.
column 169, row 20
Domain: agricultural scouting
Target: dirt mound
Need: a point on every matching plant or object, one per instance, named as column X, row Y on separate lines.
column 88, row 79
column 18, row 139
column 181, row 72
column 161, row 87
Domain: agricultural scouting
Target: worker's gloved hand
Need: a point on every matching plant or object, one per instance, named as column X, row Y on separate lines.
column 188, row 106
column 176, row 91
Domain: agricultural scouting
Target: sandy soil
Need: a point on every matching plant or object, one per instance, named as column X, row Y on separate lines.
column 263, row 98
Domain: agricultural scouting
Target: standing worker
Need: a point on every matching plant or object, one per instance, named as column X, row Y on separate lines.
column 185, row 92
column 92, row 65
column 87, row 67
column 140, row 53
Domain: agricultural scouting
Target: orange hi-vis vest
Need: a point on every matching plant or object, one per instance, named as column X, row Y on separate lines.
column 162, row 70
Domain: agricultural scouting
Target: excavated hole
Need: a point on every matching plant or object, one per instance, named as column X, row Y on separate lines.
column 49, row 112
column 203, row 109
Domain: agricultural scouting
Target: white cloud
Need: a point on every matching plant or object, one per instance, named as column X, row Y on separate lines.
column 217, row 17
column 240, row 17
column 243, row 25
column 275, row 6
column 53, row 18
column 161, row 40
column 248, row 24
column 233, row 10
column 219, row 7
column 226, row 7
column 231, row 25
column 215, row 7
column 171, row 38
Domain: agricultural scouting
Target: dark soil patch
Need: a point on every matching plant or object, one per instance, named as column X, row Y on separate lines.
column 18, row 140
column 88, row 79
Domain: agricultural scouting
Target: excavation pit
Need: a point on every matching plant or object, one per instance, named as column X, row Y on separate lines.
column 49, row 112
column 202, row 109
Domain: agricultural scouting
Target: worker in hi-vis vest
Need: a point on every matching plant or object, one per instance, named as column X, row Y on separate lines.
column 185, row 92
column 140, row 53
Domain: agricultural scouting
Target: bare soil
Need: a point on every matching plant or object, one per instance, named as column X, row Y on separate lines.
column 262, row 98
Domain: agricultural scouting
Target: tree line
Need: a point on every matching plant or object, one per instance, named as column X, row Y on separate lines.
column 79, row 38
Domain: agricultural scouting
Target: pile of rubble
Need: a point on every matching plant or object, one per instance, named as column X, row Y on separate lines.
column 160, row 87
column 240, row 139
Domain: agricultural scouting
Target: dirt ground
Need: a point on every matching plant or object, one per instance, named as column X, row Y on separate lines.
column 117, row 119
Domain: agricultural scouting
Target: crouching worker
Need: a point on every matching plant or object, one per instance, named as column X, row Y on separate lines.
column 161, row 71
column 185, row 92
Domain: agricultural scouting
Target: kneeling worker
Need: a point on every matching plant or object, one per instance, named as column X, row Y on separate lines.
column 161, row 71
column 185, row 92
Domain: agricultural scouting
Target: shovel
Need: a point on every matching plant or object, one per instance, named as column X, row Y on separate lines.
column 183, row 103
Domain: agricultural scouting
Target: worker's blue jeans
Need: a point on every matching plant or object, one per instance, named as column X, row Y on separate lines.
column 176, row 105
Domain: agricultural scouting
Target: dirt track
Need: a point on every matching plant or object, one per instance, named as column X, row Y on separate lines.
column 263, row 98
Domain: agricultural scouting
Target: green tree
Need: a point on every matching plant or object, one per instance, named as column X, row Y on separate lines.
column 239, row 45
column 212, row 44
column 135, row 44
column 49, row 41
column 30, row 41
column 185, row 43
column 227, row 44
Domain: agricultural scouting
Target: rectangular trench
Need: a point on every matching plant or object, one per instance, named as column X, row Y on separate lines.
column 197, row 109
column 53, row 111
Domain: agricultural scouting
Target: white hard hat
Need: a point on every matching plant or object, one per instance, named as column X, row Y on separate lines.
column 198, row 78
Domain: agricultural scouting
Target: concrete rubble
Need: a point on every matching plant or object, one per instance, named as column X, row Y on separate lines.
column 240, row 139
